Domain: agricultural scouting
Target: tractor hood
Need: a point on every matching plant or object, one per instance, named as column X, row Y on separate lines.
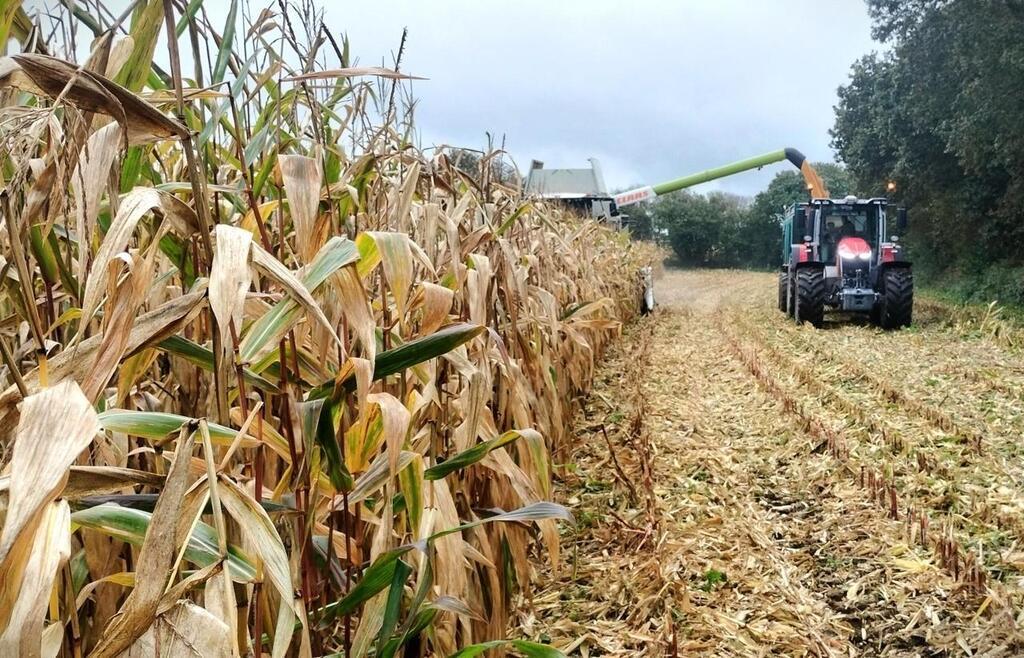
column 852, row 248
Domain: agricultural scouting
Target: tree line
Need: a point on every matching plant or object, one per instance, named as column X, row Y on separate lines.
column 941, row 113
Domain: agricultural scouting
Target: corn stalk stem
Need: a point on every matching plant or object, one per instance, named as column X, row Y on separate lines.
column 12, row 367
column 201, row 196
column 24, row 273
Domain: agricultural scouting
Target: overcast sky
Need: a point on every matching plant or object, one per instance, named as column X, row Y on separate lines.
column 655, row 89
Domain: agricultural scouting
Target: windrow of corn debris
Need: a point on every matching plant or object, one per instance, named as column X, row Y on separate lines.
column 274, row 379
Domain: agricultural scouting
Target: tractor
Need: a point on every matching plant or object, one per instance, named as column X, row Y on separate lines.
column 838, row 254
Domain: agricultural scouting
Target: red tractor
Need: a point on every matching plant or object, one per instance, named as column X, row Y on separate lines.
column 838, row 254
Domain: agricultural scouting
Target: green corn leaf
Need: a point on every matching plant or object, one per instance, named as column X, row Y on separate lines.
column 412, row 353
column 394, row 603
column 145, row 30
column 410, row 482
column 337, row 253
column 528, row 649
column 423, row 349
column 203, row 357
column 318, row 428
column 12, row 15
column 378, row 473
column 507, row 224
column 130, row 525
column 418, row 624
column 132, row 167
column 224, row 54
column 67, row 277
column 533, row 512
column 44, row 255
column 187, row 17
column 157, row 425
column 381, row 573
column 415, row 614
column 146, row 503
column 378, row 576
column 471, row 455
column 256, row 144
column 220, row 114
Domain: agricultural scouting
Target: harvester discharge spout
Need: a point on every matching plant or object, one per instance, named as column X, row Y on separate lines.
column 815, row 185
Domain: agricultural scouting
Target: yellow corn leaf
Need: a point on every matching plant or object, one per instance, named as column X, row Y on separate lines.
column 184, row 630
column 295, row 288
column 50, row 547
column 302, row 177
column 230, row 278
column 249, row 220
column 261, row 534
column 88, row 181
column 55, row 426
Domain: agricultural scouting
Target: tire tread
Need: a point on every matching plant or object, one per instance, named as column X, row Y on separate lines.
column 897, row 306
column 810, row 296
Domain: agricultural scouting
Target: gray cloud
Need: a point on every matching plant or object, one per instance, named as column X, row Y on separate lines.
column 654, row 89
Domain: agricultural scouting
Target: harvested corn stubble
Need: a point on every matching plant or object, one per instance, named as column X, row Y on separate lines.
column 806, row 500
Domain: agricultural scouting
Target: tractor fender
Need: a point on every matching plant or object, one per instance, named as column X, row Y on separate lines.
column 801, row 255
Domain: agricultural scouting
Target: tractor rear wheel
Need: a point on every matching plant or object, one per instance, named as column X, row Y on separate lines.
column 783, row 291
column 810, row 296
column 897, row 305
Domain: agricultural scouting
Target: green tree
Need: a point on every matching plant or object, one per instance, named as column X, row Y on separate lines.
column 701, row 229
column 942, row 115
column 640, row 221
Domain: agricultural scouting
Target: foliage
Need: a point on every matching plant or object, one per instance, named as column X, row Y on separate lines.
column 941, row 114
column 640, row 221
column 702, row 229
column 390, row 350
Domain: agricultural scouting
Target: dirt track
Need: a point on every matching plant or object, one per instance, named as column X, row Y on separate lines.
column 748, row 487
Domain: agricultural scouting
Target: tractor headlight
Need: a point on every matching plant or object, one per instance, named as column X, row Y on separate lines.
column 866, row 255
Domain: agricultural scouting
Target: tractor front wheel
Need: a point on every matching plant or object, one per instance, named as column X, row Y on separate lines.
column 784, row 291
column 810, row 296
column 897, row 304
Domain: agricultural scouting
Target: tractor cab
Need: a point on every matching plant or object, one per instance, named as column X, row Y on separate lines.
column 846, row 222
column 839, row 253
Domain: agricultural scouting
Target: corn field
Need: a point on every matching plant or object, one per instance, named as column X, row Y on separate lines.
column 275, row 380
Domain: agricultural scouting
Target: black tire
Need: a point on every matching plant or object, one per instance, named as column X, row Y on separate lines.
column 784, row 291
column 897, row 305
column 810, row 296
column 790, row 296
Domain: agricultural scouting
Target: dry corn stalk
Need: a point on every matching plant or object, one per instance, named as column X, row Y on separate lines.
column 262, row 349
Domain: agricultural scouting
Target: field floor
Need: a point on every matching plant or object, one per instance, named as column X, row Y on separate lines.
column 747, row 487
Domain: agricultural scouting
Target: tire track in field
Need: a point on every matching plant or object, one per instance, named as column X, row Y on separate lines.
column 885, row 489
column 957, row 483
